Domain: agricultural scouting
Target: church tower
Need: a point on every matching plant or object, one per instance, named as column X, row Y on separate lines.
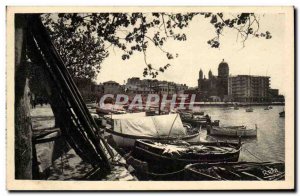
column 200, row 74
column 223, row 70
column 200, row 79
column 223, row 74
column 210, row 75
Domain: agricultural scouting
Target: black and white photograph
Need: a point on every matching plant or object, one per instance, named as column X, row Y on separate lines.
column 150, row 98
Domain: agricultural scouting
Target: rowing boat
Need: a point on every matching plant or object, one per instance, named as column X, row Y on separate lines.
column 126, row 129
column 250, row 171
column 232, row 131
column 171, row 156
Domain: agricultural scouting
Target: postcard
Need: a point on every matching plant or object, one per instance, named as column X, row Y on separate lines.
column 150, row 98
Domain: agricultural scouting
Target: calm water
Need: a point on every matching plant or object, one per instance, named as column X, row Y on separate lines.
column 269, row 144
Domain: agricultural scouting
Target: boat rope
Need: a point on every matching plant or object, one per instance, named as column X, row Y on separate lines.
column 252, row 154
column 172, row 125
column 214, row 139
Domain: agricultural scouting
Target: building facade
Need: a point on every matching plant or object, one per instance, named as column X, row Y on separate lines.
column 98, row 88
column 181, row 88
column 247, row 88
column 112, row 87
column 275, row 96
column 135, row 85
column 147, row 86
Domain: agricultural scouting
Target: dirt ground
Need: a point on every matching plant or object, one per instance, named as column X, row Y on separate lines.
column 68, row 166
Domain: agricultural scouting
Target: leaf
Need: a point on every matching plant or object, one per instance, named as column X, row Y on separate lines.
column 213, row 19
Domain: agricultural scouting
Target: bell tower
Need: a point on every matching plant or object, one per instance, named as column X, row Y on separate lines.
column 200, row 79
column 210, row 74
column 200, row 74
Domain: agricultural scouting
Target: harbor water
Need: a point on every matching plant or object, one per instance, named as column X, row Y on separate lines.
column 269, row 145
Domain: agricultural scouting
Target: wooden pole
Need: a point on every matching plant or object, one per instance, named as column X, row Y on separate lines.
column 58, row 104
column 23, row 131
column 51, row 57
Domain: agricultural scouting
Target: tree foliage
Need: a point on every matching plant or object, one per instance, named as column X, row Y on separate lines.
column 81, row 52
column 83, row 39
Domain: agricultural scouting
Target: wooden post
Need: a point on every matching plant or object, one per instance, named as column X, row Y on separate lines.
column 23, row 132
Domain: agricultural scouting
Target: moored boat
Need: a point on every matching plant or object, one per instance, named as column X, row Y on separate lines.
column 250, row 171
column 199, row 113
column 199, row 120
column 127, row 128
column 250, row 109
column 232, row 131
column 143, row 172
column 110, row 108
column 167, row 155
column 186, row 115
column 282, row 114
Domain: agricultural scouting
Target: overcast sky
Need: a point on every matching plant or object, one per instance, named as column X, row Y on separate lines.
column 258, row 57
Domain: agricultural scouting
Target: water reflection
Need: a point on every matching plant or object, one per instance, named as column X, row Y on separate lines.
column 269, row 144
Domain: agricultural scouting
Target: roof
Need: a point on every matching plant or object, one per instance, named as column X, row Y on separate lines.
column 223, row 64
column 110, row 82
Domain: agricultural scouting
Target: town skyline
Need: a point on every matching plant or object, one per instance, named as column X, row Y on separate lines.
column 201, row 74
column 242, row 61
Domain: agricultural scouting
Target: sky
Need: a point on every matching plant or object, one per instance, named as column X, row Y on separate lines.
column 258, row 57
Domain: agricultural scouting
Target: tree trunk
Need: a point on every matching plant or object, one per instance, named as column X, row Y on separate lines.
column 23, row 132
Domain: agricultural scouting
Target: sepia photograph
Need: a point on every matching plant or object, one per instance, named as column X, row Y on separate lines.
column 150, row 98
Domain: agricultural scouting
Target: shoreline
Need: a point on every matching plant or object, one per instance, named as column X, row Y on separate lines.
column 241, row 104
column 222, row 104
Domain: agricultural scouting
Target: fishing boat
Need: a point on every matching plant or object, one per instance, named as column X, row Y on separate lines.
column 185, row 115
column 282, row 114
column 199, row 120
column 250, row 109
column 152, row 111
column 172, row 155
column 250, row 171
column 126, row 128
column 267, row 108
column 232, row 131
column 143, row 172
column 200, row 113
column 110, row 108
column 236, row 108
